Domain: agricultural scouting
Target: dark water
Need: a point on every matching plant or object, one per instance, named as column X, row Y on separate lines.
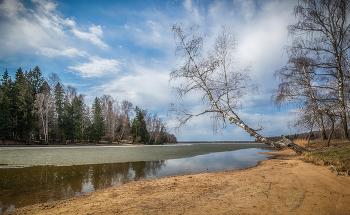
column 37, row 175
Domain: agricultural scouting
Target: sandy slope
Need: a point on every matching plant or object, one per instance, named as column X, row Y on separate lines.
column 284, row 185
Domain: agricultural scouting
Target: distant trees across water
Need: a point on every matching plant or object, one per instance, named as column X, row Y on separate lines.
column 33, row 107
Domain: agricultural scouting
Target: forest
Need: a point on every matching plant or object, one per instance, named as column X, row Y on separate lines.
column 35, row 108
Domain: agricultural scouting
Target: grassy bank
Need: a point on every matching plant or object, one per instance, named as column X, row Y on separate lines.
column 336, row 155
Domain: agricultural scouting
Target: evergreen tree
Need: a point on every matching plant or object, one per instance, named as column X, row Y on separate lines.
column 5, row 107
column 6, row 84
column 163, row 135
column 98, row 124
column 138, row 128
column 20, row 105
column 59, row 98
column 5, row 118
column 36, row 80
column 86, row 126
column 77, row 116
column 67, row 123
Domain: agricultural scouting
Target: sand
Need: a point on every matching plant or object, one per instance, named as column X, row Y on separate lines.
column 284, row 184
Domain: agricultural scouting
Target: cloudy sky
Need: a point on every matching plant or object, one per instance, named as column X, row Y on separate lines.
column 126, row 49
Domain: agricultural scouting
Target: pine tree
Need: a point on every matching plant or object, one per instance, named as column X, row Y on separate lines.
column 77, row 116
column 98, row 124
column 163, row 135
column 5, row 107
column 5, row 118
column 138, row 128
column 36, row 81
column 67, row 123
column 59, row 98
column 20, row 105
column 6, row 84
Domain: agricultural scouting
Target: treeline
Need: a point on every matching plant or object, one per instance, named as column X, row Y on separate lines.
column 33, row 107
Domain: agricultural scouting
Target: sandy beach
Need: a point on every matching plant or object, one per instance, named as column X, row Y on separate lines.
column 284, row 184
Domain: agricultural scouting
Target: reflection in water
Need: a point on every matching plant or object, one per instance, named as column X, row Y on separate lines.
column 20, row 187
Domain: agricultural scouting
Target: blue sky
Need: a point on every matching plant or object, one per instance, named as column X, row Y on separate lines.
column 126, row 49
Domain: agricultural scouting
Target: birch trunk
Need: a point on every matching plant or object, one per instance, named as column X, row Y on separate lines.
column 315, row 107
column 343, row 121
column 284, row 142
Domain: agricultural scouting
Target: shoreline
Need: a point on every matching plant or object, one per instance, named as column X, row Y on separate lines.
column 282, row 184
column 102, row 144
column 73, row 145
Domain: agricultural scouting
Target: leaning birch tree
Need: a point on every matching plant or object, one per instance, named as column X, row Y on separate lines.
column 215, row 78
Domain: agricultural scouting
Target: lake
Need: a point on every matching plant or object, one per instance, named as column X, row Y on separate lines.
column 31, row 175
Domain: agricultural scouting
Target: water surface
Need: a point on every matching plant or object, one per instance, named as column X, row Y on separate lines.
column 33, row 175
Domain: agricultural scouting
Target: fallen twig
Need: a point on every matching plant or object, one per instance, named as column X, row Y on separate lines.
column 335, row 170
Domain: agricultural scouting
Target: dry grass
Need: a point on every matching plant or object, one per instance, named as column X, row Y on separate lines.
column 337, row 154
column 319, row 143
column 301, row 142
column 338, row 157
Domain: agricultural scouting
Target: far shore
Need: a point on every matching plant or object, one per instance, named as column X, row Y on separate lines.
column 284, row 184
column 71, row 144
column 129, row 143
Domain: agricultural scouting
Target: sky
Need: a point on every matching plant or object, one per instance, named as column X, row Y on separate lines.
column 126, row 49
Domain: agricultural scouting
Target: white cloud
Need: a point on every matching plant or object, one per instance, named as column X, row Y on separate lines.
column 192, row 9
column 42, row 30
column 46, row 6
column 11, row 8
column 94, row 35
column 139, row 31
column 248, row 8
column 97, row 67
column 146, row 87
column 96, row 30
column 68, row 52
column 75, row 84
column 125, row 26
column 188, row 5
column 155, row 34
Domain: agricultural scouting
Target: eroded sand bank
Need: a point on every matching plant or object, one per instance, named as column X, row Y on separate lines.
column 282, row 185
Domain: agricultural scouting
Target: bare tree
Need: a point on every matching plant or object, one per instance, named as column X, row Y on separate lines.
column 324, row 29
column 42, row 105
column 110, row 111
column 52, row 80
column 86, row 124
column 215, row 78
column 304, row 120
column 70, row 94
column 301, row 84
column 154, row 126
column 126, row 108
